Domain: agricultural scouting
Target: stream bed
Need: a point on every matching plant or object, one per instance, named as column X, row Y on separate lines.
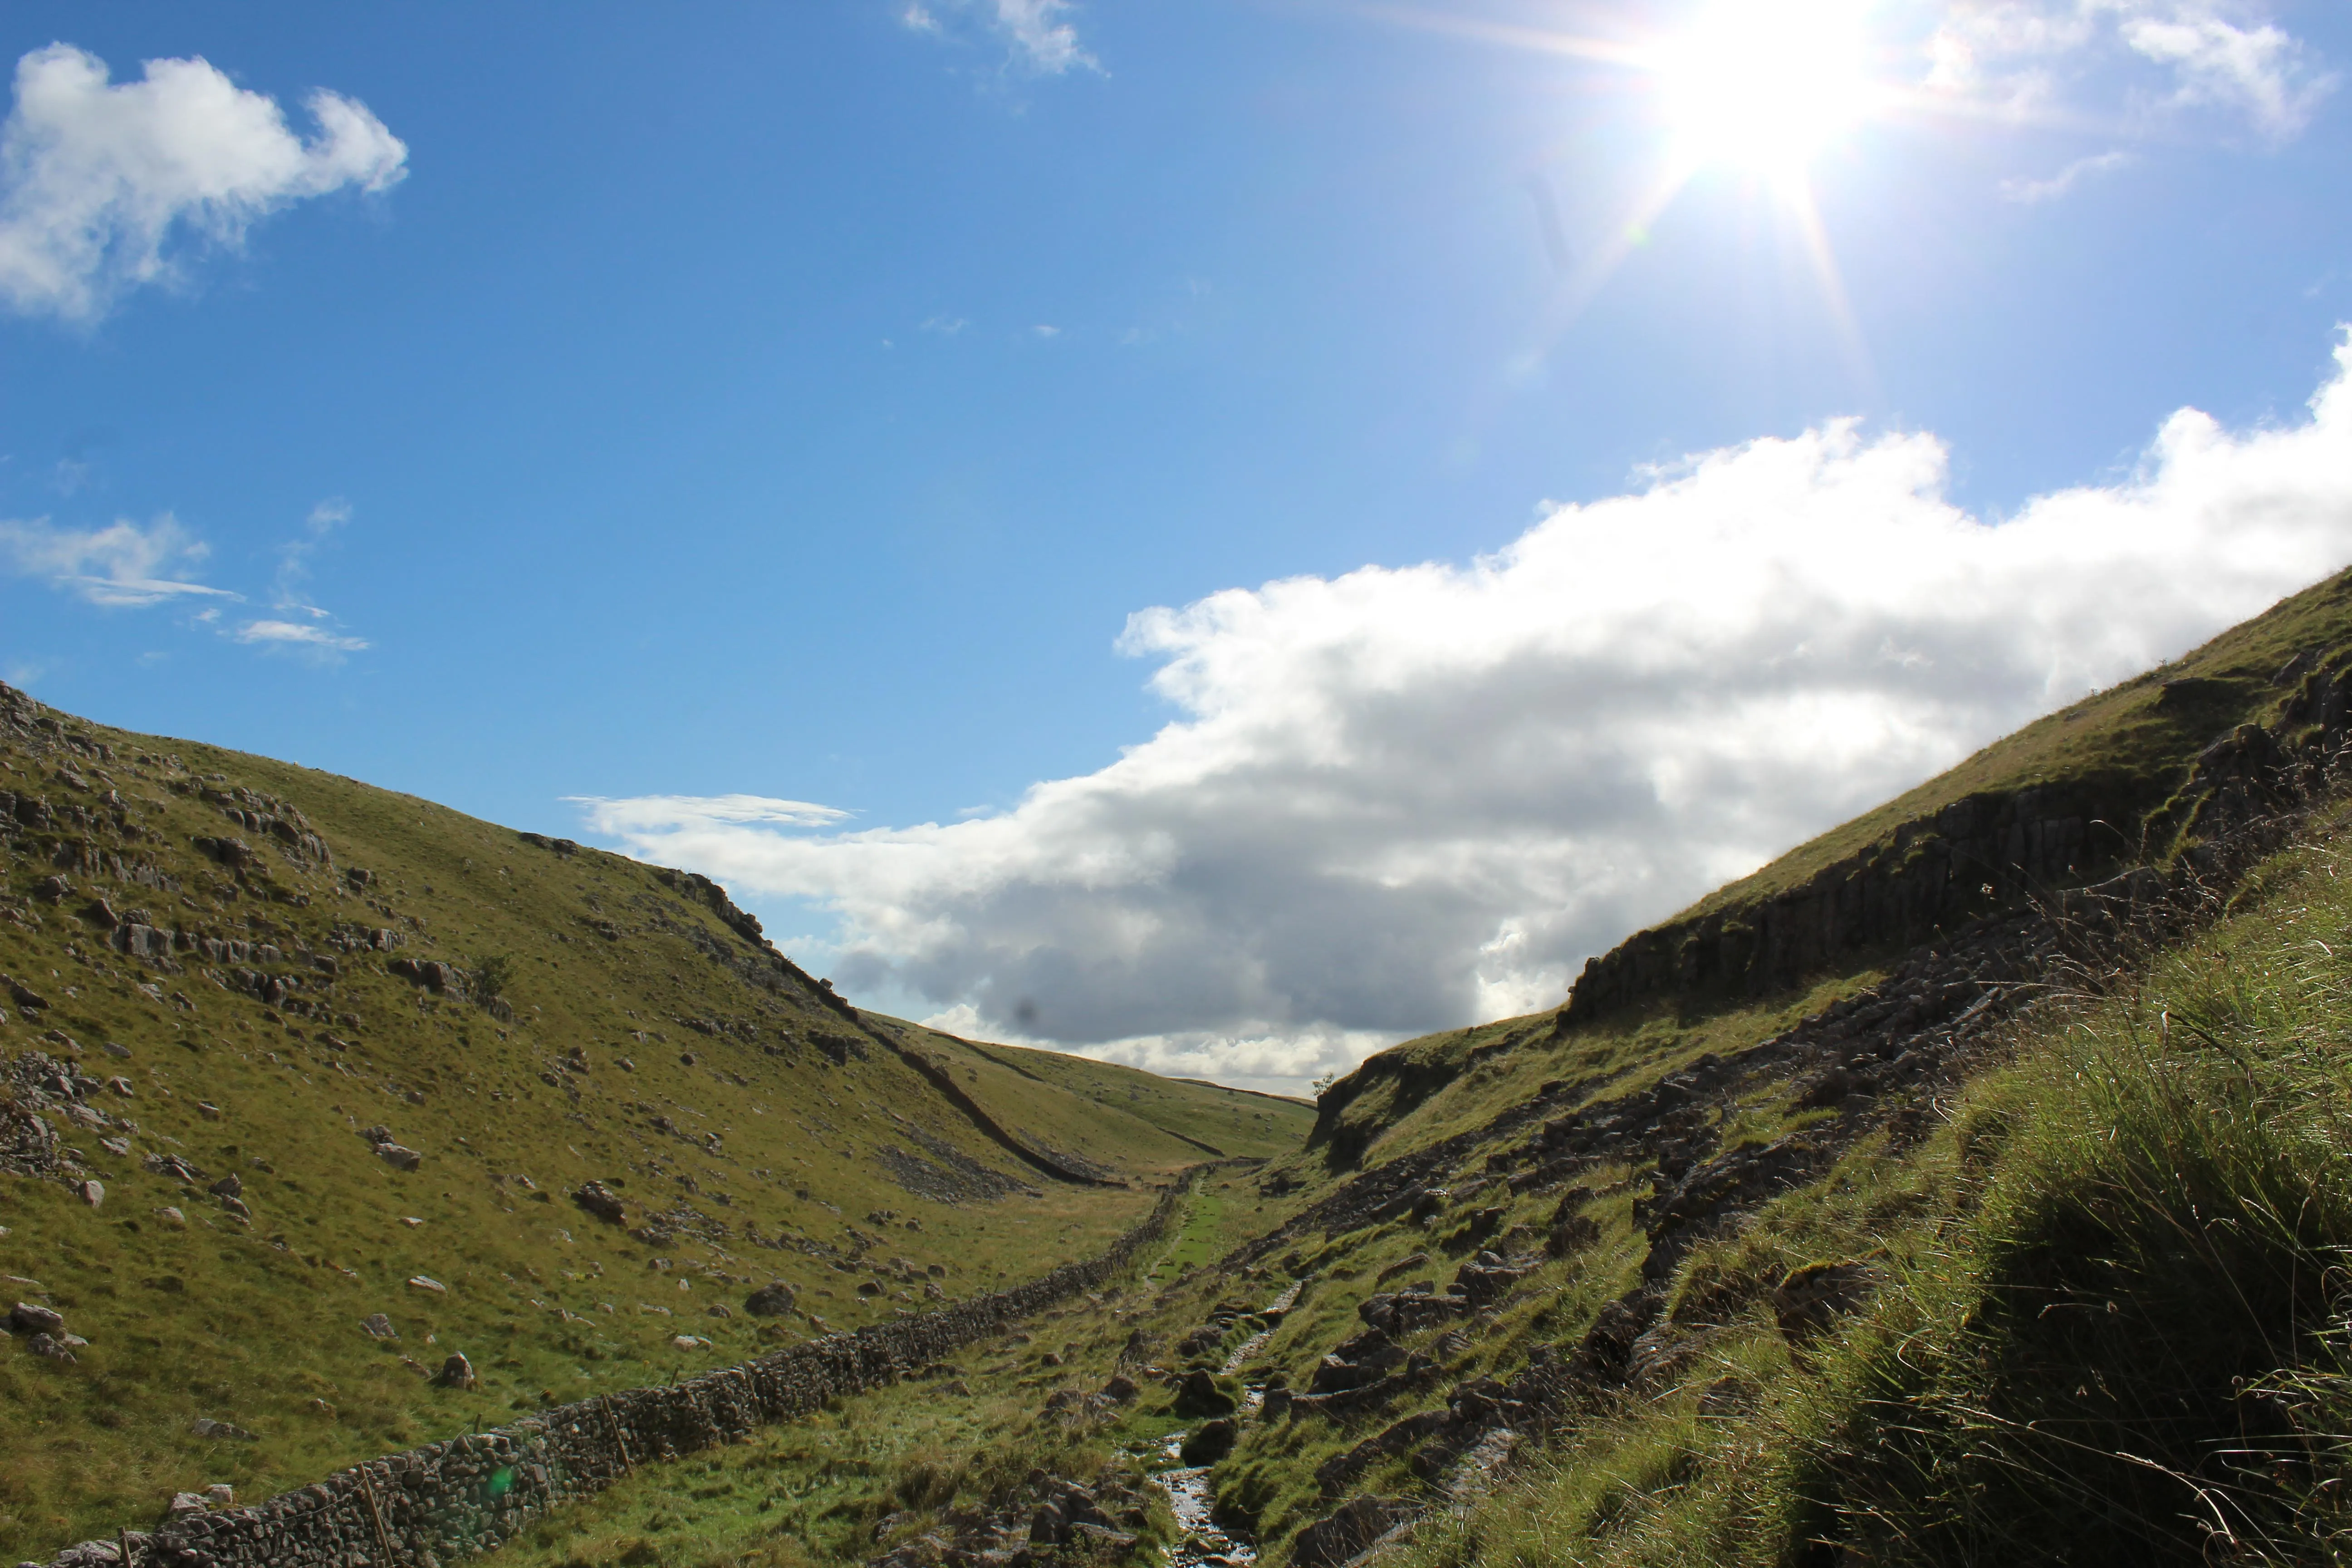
column 1201, row 1544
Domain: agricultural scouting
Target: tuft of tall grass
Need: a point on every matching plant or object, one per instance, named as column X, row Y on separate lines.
column 2130, row 1346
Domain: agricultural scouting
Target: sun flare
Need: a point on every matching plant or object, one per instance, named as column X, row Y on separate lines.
column 1765, row 84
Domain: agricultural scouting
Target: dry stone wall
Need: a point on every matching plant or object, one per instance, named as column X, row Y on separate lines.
column 433, row 1505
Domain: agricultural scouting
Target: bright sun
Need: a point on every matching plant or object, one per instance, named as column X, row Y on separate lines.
column 1765, row 84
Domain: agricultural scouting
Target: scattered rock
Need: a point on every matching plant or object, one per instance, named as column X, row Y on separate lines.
column 1813, row 1298
column 1347, row 1531
column 773, row 1299
column 205, row 1426
column 1120, row 1389
column 601, row 1201
column 55, row 1347
column 220, row 1494
column 398, row 1156
column 171, row 1166
column 379, row 1327
column 1210, row 1442
column 425, row 1282
column 171, row 1215
column 28, row 1319
column 229, row 1187
column 1199, row 1395
column 92, row 1191
column 1728, row 1396
column 456, row 1371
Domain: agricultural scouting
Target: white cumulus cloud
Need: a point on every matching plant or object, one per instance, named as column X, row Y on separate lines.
column 122, row 565
column 95, row 176
column 1411, row 797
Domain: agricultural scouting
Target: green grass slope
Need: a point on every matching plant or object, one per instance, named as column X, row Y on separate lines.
column 1221, row 1122
column 601, row 1021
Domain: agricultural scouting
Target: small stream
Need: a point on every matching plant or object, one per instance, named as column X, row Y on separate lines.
column 1203, row 1544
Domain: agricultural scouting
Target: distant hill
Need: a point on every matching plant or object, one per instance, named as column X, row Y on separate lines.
column 370, row 1050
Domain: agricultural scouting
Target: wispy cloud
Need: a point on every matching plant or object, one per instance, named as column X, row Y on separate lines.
column 1038, row 29
column 669, row 813
column 292, row 583
column 2029, row 57
column 97, row 177
column 1039, row 35
column 296, row 635
column 2029, row 191
column 946, row 326
column 2257, row 71
column 124, row 566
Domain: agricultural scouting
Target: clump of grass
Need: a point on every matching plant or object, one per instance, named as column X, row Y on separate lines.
column 2129, row 1350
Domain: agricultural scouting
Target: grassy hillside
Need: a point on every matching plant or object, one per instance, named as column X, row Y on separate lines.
column 2021, row 1243
column 599, row 1021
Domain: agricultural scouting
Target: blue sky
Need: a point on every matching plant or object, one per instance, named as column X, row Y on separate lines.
column 646, row 406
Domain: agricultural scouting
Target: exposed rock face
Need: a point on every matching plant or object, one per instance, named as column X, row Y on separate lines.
column 1925, row 876
column 1982, row 854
